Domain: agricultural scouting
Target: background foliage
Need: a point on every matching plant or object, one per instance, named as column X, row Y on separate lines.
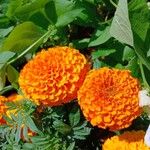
column 110, row 33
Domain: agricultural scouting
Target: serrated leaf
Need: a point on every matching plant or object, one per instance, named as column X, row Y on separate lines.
column 61, row 127
column 71, row 146
column 22, row 37
column 74, row 116
column 100, row 37
column 68, row 17
column 102, row 53
column 30, row 123
column 121, row 27
column 28, row 146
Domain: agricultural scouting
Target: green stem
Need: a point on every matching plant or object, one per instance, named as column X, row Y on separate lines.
column 29, row 48
column 114, row 4
column 143, row 75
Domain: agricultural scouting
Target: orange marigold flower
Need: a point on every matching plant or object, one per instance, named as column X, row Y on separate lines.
column 54, row 76
column 3, row 109
column 133, row 140
column 109, row 98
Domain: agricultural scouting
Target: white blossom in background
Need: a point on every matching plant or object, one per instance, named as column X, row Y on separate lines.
column 147, row 137
column 144, row 98
column 144, row 101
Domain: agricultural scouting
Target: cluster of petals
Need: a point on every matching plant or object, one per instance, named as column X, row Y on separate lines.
column 133, row 140
column 3, row 108
column 54, row 76
column 109, row 98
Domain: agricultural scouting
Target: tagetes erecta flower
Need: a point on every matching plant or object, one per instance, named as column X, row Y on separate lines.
column 109, row 98
column 54, row 76
column 133, row 140
column 3, row 109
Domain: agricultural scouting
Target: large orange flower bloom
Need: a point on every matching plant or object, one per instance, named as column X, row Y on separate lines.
column 109, row 98
column 133, row 140
column 54, row 76
column 3, row 109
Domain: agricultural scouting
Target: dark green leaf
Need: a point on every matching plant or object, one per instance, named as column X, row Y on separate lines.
column 74, row 116
column 61, row 127
column 100, row 37
column 68, row 17
column 22, row 37
column 140, row 17
column 23, row 12
column 121, row 27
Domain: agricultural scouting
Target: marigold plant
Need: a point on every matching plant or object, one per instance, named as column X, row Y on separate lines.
column 54, row 76
column 109, row 98
column 133, row 140
column 3, row 108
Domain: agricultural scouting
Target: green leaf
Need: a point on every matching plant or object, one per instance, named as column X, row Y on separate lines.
column 23, row 12
column 139, row 17
column 97, row 64
column 128, row 53
column 102, row 53
column 2, row 78
column 74, row 116
column 12, row 75
column 4, row 57
column 22, row 37
column 100, row 37
column 121, row 27
column 68, row 17
column 71, row 146
column 30, row 123
column 5, row 32
column 61, row 127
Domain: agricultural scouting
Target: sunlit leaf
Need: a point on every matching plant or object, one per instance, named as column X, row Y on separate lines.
column 121, row 27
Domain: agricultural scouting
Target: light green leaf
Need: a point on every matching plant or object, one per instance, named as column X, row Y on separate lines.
column 102, row 53
column 5, row 32
column 68, row 17
column 71, row 146
column 30, row 123
column 12, row 75
column 128, row 53
column 121, row 27
column 74, row 116
column 100, row 37
column 22, row 37
column 5, row 56
column 2, row 78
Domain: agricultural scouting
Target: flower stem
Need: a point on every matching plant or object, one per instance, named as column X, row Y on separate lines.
column 29, row 48
column 143, row 75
